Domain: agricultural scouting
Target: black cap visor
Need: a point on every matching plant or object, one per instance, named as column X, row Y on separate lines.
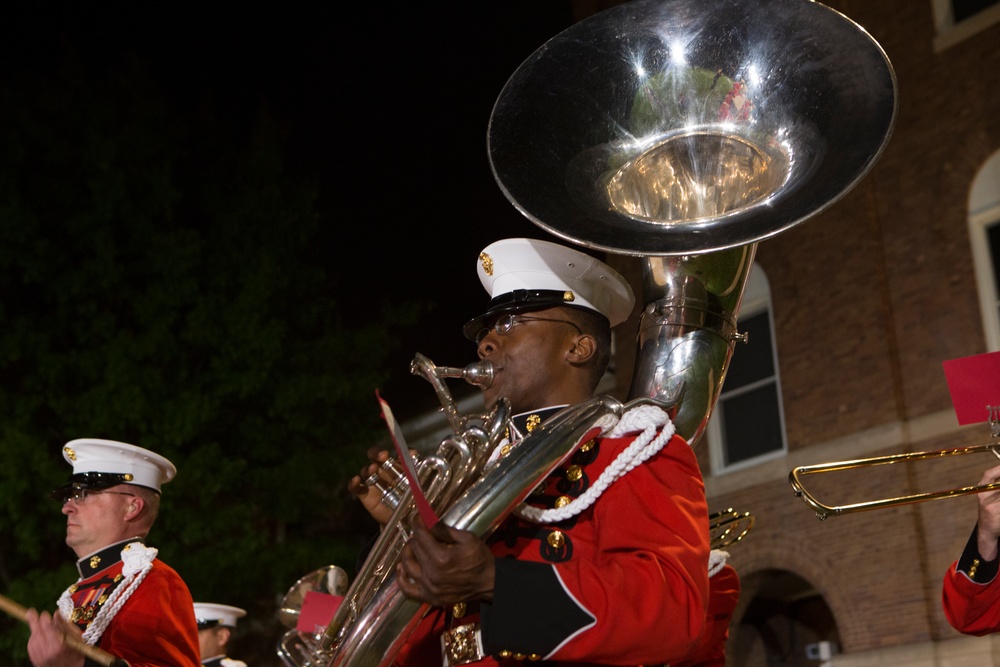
column 518, row 301
column 90, row 480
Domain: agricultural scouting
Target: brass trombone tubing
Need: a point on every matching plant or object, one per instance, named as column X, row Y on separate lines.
column 723, row 526
column 824, row 511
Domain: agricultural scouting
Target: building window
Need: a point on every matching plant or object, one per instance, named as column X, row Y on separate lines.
column 984, row 235
column 957, row 20
column 966, row 9
column 993, row 233
column 748, row 424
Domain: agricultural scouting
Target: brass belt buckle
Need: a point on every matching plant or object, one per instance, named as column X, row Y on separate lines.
column 462, row 645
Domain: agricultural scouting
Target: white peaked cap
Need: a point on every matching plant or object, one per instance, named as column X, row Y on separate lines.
column 527, row 274
column 108, row 457
column 217, row 614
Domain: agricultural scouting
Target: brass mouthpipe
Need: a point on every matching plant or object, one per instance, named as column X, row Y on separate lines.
column 478, row 374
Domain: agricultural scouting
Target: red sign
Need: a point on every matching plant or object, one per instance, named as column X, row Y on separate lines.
column 974, row 383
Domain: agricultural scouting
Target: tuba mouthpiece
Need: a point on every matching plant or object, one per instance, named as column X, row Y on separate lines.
column 479, row 373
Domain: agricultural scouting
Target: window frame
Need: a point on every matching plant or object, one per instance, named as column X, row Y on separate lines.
column 989, row 295
column 756, row 300
column 984, row 213
column 948, row 33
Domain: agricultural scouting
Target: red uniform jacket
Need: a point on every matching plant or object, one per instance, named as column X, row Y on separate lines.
column 971, row 593
column 154, row 627
column 724, row 594
column 625, row 582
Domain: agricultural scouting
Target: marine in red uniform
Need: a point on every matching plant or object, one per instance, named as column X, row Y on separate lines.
column 970, row 591
column 607, row 562
column 126, row 601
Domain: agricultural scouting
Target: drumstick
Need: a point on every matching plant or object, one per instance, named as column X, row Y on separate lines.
column 94, row 653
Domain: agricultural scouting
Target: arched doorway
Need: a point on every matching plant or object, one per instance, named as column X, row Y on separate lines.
column 782, row 625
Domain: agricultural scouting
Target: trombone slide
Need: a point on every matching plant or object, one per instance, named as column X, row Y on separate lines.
column 823, row 511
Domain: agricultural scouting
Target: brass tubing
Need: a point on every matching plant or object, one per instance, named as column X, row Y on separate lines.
column 823, row 511
column 729, row 527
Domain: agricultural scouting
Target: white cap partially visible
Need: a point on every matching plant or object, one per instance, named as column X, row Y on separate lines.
column 527, row 274
column 209, row 615
column 102, row 463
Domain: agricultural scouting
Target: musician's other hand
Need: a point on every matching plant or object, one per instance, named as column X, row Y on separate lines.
column 443, row 566
column 47, row 646
column 989, row 515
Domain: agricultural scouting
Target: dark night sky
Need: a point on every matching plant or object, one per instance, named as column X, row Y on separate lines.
column 388, row 104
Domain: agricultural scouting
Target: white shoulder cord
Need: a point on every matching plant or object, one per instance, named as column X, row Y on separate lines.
column 137, row 561
column 228, row 662
column 716, row 560
column 645, row 418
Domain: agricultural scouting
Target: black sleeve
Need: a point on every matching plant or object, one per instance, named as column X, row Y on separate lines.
column 531, row 612
column 973, row 564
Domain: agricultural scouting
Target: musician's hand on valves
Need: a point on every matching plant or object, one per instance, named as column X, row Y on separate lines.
column 442, row 566
column 47, row 646
column 989, row 515
column 360, row 486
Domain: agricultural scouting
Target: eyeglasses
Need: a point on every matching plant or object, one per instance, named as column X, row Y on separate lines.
column 505, row 324
column 81, row 495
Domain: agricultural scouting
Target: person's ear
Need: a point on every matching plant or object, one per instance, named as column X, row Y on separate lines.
column 134, row 508
column 223, row 636
column 584, row 347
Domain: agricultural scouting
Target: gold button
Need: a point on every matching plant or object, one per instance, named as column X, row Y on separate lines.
column 519, row 656
column 534, row 657
column 458, row 611
column 556, row 539
column 574, row 473
column 972, row 570
column 563, row 501
column 587, row 446
column 504, row 654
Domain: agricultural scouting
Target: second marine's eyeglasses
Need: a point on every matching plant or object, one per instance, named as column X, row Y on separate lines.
column 505, row 324
column 81, row 495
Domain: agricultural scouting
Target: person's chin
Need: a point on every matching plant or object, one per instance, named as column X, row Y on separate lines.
column 490, row 397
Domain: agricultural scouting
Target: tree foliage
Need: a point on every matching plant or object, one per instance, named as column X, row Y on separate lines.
column 163, row 283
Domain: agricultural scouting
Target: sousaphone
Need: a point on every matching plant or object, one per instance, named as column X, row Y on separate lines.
column 684, row 132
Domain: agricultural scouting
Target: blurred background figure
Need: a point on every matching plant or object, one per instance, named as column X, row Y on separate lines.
column 216, row 626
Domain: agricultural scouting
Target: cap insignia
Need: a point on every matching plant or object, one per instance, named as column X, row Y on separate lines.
column 129, row 477
column 70, row 454
column 487, row 263
column 569, row 296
